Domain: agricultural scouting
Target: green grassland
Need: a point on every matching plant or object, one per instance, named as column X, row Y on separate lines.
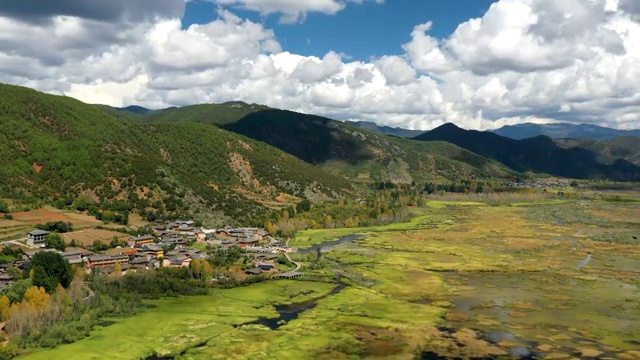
column 480, row 271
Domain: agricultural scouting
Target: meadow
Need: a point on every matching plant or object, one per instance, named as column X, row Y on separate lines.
column 461, row 279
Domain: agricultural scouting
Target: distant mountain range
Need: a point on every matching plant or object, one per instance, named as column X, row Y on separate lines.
column 562, row 131
column 340, row 147
column 386, row 130
column 228, row 162
column 538, row 154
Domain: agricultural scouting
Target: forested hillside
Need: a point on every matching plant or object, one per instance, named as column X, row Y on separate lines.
column 339, row 147
column 361, row 154
column 539, row 154
column 57, row 149
column 608, row 151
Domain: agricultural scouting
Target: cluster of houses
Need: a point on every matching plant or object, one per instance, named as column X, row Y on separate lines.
column 147, row 251
column 538, row 184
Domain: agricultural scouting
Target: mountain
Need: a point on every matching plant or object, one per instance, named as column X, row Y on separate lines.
column 609, row 151
column 562, row 130
column 362, row 155
column 216, row 114
column 339, row 147
column 539, row 154
column 386, row 130
column 56, row 147
column 136, row 109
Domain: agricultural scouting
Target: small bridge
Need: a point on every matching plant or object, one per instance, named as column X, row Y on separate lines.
column 289, row 274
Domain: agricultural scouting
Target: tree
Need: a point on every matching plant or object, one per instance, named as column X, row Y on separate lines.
column 56, row 268
column 54, row 241
column 196, row 268
column 40, row 278
column 37, row 297
column 303, row 206
column 5, row 303
column 207, row 270
column 118, row 270
column 15, row 292
column 98, row 245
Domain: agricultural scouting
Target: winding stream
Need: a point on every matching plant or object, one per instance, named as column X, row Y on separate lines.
column 292, row 311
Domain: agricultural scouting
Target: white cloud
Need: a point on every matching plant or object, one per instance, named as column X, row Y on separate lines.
column 524, row 60
column 426, row 53
column 292, row 10
column 396, row 70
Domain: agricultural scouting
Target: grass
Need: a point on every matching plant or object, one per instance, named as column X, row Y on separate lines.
column 464, row 266
column 424, row 218
column 173, row 325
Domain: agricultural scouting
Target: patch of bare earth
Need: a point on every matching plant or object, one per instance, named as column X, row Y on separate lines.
column 244, row 170
column 166, row 155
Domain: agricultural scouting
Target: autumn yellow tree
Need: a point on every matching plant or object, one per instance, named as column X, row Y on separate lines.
column 196, row 268
column 37, row 297
column 118, row 270
column 5, row 304
column 207, row 269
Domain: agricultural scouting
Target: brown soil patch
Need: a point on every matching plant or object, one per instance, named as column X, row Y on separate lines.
column 47, row 214
column 39, row 216
column 166, row 155
column 380, row 342
column 458, row 317
column 37, row 167
column 464, row 344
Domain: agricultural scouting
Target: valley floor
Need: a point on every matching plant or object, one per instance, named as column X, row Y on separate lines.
column 460, row 280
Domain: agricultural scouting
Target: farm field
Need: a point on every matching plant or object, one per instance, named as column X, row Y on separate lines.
column 84, row 226
column 554, row 280
column 23, row 222
column 88, row 236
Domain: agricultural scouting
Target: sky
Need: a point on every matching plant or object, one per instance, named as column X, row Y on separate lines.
column 411, row 63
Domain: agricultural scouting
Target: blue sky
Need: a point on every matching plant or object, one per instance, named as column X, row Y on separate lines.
column 359, row 31
column 526, row 60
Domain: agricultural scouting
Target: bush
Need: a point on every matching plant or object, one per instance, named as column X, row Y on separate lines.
column 4, row 207
column 56, row 226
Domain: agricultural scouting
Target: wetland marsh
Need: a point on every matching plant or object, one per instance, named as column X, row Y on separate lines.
column 460, row 280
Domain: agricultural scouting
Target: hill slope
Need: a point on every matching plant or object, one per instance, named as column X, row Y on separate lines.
column 59, row 148
column 626, row 148
column 363, row 155
column 563, row 130
column 539, row 154
column 386, row 130
column 216, row 114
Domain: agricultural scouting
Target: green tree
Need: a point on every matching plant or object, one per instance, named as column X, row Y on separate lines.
column 56, row 268
column 55, row 241
column 4, row 207
column 303, row 206
column 15, row 292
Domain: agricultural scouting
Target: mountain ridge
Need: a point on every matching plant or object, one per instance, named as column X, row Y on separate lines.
column 386, row 130
column 562, row 130
column 538, row 154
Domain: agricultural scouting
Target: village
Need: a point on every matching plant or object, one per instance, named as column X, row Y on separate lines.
column 168, row 244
